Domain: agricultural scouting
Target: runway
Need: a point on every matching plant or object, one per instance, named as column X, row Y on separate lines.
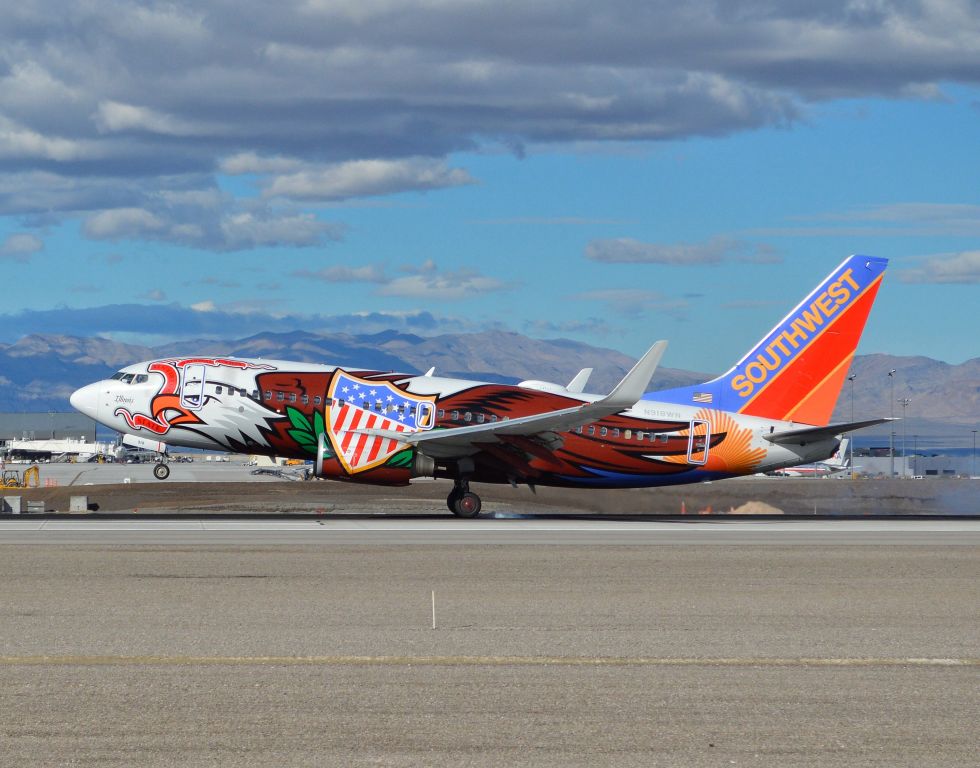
column 558, row 641
column 379, row 530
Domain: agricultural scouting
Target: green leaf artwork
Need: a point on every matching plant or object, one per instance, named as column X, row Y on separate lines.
column 401, row 460
column 303, row 432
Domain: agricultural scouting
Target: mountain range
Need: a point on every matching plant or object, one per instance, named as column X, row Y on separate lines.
column 39, row 372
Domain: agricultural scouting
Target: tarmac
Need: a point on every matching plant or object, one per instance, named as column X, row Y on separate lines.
column 322, row 624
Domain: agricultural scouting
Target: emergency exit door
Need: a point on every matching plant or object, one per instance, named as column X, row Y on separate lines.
column 699, row 441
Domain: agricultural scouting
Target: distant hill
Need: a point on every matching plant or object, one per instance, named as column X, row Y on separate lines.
column 38, row 373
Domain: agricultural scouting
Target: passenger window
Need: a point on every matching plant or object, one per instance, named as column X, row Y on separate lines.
column 663, row 437
column 217, row 390
column 616, row 432
column 639, row 435
column 305, row 399
column 467, row 417
column 493, row 418
column 603, row 432
column 442, row 413
column 455, row 415
column 255, row 394
column 480, row 418
column 268, row 395
column 316, row 400
column 628, row 434
column 592, row 429
column 292, row 397
column 280, row 396
column 578, row 430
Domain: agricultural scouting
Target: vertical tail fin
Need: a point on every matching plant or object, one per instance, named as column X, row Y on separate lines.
column 795, row 373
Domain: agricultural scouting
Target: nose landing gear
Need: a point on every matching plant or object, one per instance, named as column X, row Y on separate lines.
column 161, row 471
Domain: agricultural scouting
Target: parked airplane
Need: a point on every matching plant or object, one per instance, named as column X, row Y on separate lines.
column 839, row 462
column 770, row 410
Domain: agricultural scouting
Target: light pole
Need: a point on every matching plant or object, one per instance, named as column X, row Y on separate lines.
column 973, row 472
column 891, row 429
column 915, row 454
column 850, row 443
column 906, row 402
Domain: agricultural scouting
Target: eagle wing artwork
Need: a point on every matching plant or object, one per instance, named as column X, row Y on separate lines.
column 770, row 411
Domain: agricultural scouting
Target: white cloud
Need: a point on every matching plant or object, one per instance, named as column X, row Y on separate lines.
column 369, row 273
column 626, row 250
column 426, row 282
column 633, row 302
column 119, row 223
column 365, row 178
column 957, row 268
column 114, row 117
column 20, row 246
column 251, row 162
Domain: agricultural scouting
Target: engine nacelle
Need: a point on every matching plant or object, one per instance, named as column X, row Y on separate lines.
column 421, row 466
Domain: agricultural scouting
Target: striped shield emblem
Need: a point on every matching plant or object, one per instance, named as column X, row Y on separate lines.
column 356, row 403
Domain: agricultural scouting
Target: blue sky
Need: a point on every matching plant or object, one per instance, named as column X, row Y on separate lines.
column 612, row 175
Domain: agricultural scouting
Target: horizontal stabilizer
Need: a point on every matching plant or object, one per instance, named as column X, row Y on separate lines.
column 813, row 434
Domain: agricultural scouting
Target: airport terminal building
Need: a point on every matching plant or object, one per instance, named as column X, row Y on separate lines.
column 47, row 425
column 47, row 434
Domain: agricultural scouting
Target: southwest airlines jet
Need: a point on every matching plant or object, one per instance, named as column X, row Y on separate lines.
column 770, row 411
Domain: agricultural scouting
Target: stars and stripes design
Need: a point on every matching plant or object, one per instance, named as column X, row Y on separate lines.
column 703, row 397
column 355, row 404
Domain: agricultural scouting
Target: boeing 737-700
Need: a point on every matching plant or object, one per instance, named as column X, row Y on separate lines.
column 771, row 410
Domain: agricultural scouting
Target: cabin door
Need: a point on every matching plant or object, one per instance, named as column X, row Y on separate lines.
column 192, row 387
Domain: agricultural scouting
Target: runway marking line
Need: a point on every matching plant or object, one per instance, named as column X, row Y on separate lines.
column 461, row 661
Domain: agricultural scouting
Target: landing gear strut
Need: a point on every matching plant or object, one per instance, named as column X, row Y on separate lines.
column 461, row 501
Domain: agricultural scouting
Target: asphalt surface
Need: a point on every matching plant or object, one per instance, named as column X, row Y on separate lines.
column 322, row 653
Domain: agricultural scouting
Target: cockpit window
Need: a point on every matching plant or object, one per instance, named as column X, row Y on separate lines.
column 142, row 378
column 127, row 378
column 116, row 376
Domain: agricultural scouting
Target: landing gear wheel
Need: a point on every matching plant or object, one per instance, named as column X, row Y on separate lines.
column 467, row 505
column 161, row 471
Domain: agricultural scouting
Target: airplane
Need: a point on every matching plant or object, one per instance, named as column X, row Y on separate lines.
column 839, row 462
column 769, row 411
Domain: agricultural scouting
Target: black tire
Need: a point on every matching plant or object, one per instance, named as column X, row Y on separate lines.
column 467, row 505
column 161, row 471
column 451, row 500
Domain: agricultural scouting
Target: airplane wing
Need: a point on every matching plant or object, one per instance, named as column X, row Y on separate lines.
column 624, row 395
column 812, row 434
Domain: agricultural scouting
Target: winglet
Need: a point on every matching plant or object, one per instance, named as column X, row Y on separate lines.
column 581, row 379
column 635, row 383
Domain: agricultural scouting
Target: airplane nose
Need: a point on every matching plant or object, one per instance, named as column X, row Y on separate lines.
column 86, row 400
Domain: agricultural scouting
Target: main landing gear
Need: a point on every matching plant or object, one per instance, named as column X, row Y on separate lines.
column 461, row 501
column 161, row 471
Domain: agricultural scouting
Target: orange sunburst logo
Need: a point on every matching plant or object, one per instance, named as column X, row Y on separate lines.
column 734, row 454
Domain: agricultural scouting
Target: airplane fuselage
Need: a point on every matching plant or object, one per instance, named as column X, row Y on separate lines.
column 320, row 412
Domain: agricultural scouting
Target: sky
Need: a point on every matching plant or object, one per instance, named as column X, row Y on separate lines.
column 613, row 173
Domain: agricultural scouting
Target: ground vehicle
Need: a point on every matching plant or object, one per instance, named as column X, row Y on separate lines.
column 14, row 479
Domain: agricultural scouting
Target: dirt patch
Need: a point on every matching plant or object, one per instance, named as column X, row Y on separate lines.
column 791, row 496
